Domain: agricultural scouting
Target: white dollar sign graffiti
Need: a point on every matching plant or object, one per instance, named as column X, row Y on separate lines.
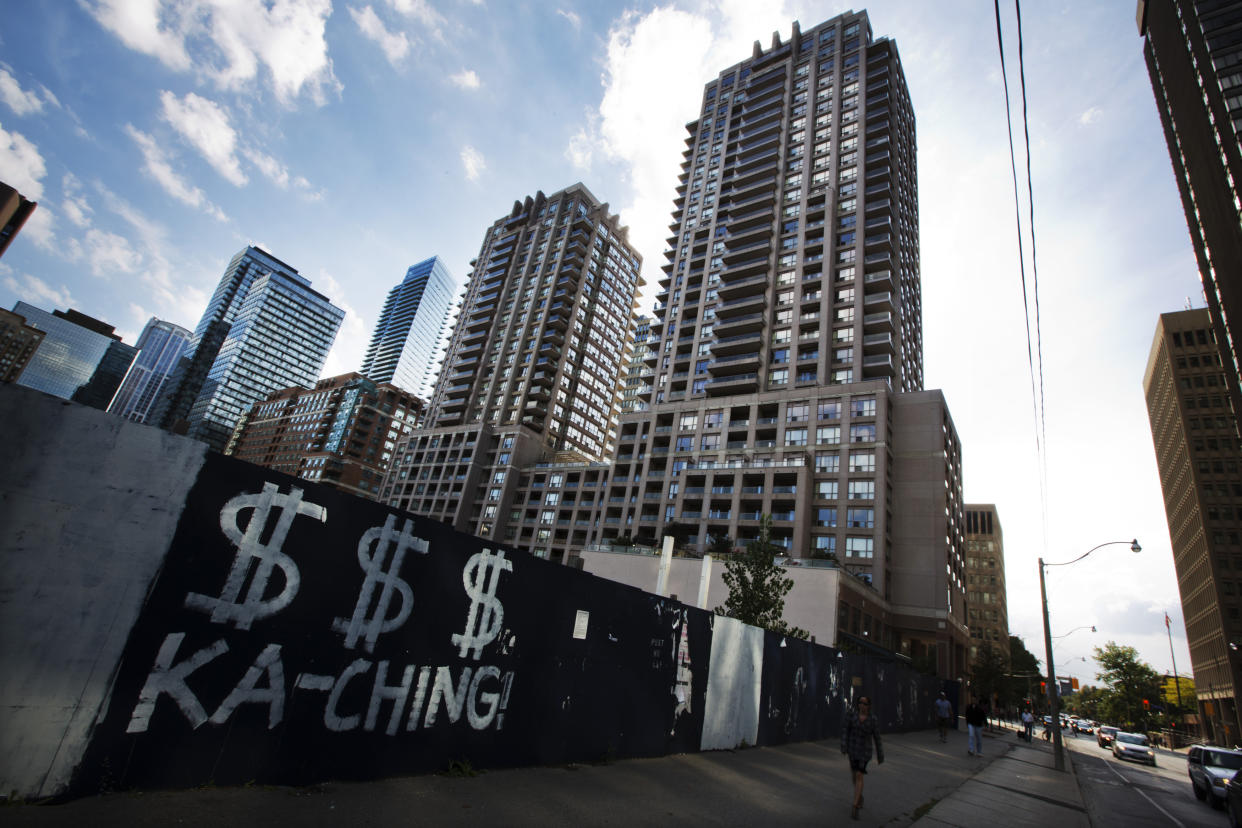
column 393, row 586
column 478, row 569
column 230, row 606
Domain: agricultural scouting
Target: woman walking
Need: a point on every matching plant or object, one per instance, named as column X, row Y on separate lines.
column 860, row 730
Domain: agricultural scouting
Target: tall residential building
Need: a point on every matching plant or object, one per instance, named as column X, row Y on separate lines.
column 985, row 580
column 1194, row 60
column 80, row 358
column 787, row 341
column 1194, row 429
column 534, row 363
column 18, row 343
column 638, row 374
column 159, row 348
column 264, row 329
column 408, row 336
column 343, row 432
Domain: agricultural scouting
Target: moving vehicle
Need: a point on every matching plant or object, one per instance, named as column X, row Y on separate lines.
column 1134, row 746
column 1210, row 770
column 1104, row 736
column 1085, row 726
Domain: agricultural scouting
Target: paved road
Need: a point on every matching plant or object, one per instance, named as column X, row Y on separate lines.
column 1118, row 792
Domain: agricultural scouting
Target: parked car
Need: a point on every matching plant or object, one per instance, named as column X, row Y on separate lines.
column 1233, row 800
column 1104, row 736
column 1210, row 769
column 1133, row 746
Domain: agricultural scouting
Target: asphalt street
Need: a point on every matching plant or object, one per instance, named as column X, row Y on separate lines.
column 1123, row 792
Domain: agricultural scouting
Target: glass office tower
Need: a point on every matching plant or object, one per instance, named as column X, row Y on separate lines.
column 159, row 348
column 405, row 348
column 79, row 359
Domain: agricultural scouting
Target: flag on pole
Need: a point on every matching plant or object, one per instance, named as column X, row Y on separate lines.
column 1167, row 622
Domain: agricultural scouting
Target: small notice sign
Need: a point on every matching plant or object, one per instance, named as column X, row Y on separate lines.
column 580, row 624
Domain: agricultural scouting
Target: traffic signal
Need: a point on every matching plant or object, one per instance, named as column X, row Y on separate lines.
column 1146, row 704
column 1043, row 687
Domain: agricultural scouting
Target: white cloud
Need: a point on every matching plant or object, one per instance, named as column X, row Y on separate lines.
column 16, row 98
column 394, row 44
column 655, row 67
column 349, row 347
column 466, row 79
column 73, row 202
column 38, row 292
column 572, row 17
column 421, row 11
column 1090, row 116
column 109, row 253
column 473, row 162
column 580, row 149
column 205, row 125
column 227, row 42
column 158, row 165
column 21, row 165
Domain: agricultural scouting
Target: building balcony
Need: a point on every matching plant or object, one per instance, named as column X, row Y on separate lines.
column 877, row 343
column 733, row 364
column 758, row 266
column 879, row 365
column 740, row 343
column 874, row 322
column 878, row 260
column 737, row 384
column 875, row 302
column 879, row 242
column 745, row 288
column 754, row 303
column 879, row 279
column 739, row 324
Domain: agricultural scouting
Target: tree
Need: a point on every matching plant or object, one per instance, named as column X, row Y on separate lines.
column 1024, row 674
column 680, row 533
column 988, row 672
column 757, row 586
column 1130, row 682
column 720, row 546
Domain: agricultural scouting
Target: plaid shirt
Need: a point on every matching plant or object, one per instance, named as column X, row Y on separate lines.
column 856, row 738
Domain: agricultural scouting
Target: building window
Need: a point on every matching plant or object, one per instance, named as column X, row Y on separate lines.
column 827, row 461
column 862, row 461
column 795, row 437
column 826, row 516
column 826, row 489
column 828, row 435
column 862, row 490
column 860, row 518
column 862, row 433
column 860, row 547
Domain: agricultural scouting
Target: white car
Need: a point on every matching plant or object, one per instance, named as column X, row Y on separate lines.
column 1134, row 746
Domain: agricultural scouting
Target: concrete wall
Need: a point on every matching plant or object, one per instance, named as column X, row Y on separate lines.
column 88, row 506
column 170, row 619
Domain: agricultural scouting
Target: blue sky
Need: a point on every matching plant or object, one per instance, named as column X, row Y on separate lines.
column 353, row 139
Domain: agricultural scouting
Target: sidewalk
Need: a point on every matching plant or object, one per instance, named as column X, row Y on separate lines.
column 922, row 781
column 1019, row 788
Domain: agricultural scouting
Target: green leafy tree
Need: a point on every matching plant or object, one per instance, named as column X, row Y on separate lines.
column 720, row 546
column 757, row 586
column 1130, row 682
column 1024, row 675
column 987, row 674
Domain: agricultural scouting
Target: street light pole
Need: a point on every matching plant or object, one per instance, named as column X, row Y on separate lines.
column 1058, row 748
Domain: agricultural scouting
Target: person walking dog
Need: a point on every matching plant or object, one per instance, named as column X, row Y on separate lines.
column 856, row 737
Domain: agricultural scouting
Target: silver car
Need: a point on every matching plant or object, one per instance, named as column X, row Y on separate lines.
column 1134, row 746
column 1210, row 769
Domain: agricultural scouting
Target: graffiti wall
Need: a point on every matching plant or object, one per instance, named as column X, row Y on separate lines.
column 292, row 634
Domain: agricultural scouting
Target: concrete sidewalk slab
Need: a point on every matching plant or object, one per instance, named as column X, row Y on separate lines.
column 1021, row 787
column 922, row 780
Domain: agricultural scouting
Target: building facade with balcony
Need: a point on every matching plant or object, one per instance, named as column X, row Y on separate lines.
column 343, row 432
column 533, row 370
column 1198, row 454
column 786, row 349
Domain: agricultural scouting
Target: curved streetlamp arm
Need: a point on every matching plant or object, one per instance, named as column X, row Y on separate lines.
column 1133, row 544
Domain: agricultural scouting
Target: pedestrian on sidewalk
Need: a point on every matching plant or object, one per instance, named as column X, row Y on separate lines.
column 1028, row 724
column 976, row 717
column 944, row 713
column 856, row 738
